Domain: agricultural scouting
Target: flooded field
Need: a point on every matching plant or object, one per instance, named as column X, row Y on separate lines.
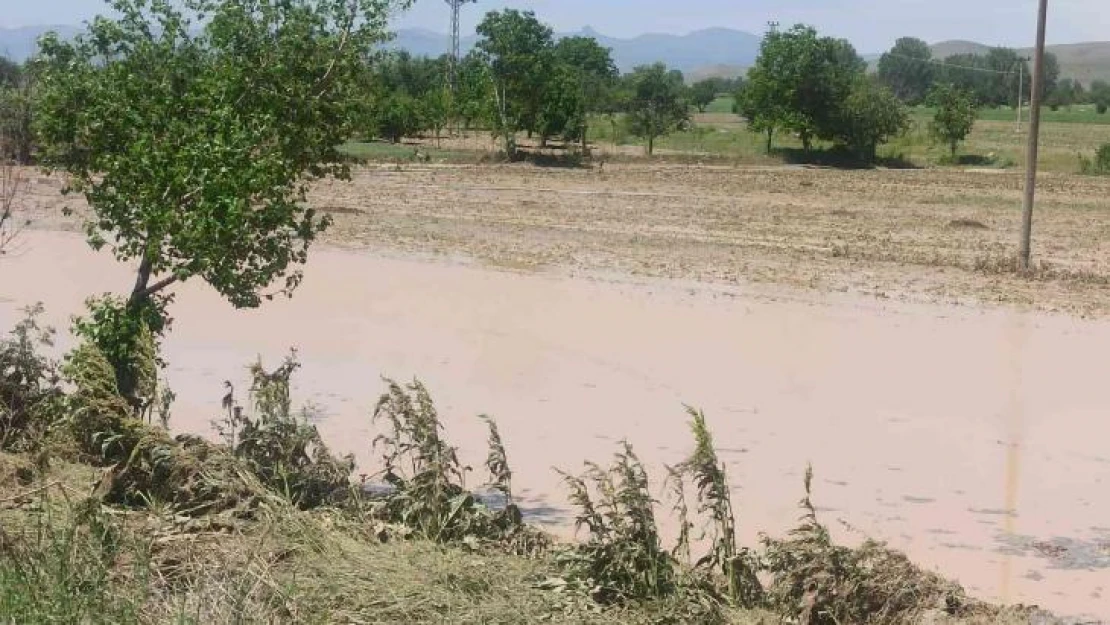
column 974, row 438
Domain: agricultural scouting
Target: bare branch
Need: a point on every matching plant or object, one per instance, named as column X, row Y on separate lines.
column 12, row 182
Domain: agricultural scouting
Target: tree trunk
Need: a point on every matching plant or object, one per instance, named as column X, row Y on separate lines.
column 138, row 294
column 585, row 143
column 651, row 145
column 805, row 140
column 770, row 134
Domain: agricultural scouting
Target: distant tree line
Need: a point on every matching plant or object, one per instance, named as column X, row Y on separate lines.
column 992, row 79
column 520, row 79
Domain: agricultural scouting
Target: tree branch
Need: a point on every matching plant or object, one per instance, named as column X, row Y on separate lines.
column 154, row 288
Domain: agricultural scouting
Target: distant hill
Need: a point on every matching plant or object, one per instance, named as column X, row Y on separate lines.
column 1082, row 61
column 701, row 54
column 689, row 53
column 19, row 43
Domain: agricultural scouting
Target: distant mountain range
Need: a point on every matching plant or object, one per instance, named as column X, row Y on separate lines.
column 1082, row 61
column 700, row 54
column 689, row 53
column 19, row 43
column 714, row 46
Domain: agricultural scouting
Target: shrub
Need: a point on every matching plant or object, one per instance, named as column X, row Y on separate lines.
column 817, row 582
column 30, row 396
column 127, row 336
column 623, row 557
column 280, row 446
column 737, row 565
column 955, row 115
column 426, row 492
column 1099, row 165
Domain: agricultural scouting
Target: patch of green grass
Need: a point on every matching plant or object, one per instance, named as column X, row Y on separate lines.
column 723, row 104
column 375, row 151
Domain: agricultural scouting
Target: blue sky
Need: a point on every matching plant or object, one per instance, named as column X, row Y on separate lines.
column 871, row 25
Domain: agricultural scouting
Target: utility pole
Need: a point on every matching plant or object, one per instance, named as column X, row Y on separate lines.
column 1034, row 140
column 1021, row 89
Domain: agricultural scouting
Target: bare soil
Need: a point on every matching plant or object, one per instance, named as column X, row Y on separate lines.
column 885, row 233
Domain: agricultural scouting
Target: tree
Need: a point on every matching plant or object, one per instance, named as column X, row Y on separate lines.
column 408, row 96
column 657, row 105
column 1100, row 95
column 1051, row 74
column 908, row 69
column 762, row 102
column 397, row 115
column 870, row 116
column 955, row 115
column 517, row 48
column 17, row 92
column 1066, row 93
column 804, row 79
column 10, row 72
column 473, row 102
column 194, row 139
column 703, row 93
column 969, row 73
column 562, row 111
column 596, row 75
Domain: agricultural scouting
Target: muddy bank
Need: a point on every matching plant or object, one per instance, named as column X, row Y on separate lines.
column 974, row 440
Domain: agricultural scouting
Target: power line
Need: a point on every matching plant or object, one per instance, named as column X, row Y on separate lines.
column 953, row 65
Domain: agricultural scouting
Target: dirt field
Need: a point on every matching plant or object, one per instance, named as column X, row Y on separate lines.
column 973, row 437
column 937, row 236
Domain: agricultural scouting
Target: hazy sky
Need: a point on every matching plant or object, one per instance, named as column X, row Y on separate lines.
column 871, row 25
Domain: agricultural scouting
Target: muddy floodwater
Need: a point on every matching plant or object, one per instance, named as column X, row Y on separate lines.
column 977, row 440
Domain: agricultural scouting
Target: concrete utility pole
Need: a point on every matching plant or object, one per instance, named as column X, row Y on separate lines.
column 1034, row 141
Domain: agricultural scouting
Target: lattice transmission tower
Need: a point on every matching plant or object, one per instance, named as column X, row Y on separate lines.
column 456, row 43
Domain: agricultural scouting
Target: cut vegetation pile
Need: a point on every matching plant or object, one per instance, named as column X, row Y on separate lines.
column 107, row 518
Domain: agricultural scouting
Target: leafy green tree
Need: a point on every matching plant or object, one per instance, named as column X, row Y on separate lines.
column 474, row 101
column 562, row 111
column 657, row 104
column 10, row 72
column 1051, row 74
column 908, row 69
column 595, row 74
column 193, row 129
column 703, row 93
column 870, row 116
column 1100, row 95
column 955, row 115
column 436, row 110
column 968, row 73
column 397, row 115
column 803, row 79
column 762, row 102
column 408, row 96
column 517, row 48
column 17, row 93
